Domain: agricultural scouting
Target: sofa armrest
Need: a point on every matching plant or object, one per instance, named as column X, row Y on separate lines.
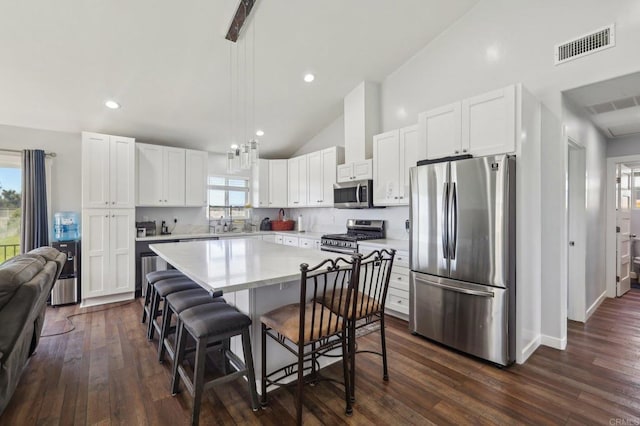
column 14, row 317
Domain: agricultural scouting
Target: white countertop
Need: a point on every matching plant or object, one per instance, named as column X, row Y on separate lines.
column 315, row 235
column 238, row 263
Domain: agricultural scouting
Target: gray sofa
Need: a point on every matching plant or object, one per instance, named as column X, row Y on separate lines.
column 25, row 284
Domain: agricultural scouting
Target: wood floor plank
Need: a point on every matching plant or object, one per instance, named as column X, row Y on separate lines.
column 106, row 372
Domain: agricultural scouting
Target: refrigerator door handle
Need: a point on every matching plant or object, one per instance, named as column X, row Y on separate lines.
column 453, row 222
column 445, row 219
column 456, row 289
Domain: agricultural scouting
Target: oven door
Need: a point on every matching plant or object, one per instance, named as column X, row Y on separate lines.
column 334, row 249
column 353, row 195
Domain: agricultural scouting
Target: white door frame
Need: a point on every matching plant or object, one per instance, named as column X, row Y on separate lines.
column 610, row 235
column 576, row 232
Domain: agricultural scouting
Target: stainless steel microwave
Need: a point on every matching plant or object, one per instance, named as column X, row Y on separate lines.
column 353, row 195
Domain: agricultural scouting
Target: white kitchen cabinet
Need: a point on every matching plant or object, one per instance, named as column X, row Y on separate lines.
column 279, row 239
column 108, row 171
column 358, row 170
column 297, row 181
column 289, row 240
column 394, row 153
column 196, row 175
column 161, row 175
column 108, row 254
column 440, row 130
column 397, row 303
column 260, row 183
column 309, row 243
column 489, row 122
column 322, row 175
column 278, row 183
column 481, row 125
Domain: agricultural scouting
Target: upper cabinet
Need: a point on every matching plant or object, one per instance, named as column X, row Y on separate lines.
column 108, row 171
column 260, row 184
column 358, row 170
column 489, row 122
column 394, row 153
column 278, row 183
column 197, row 167
column 170, row 177
column 322, row 176
column 297, row 178
column 440, row 130
column 161, row 175
column 482, row 125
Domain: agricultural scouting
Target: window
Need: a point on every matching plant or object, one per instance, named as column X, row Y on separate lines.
column 10, row 204
column 228, row 197
column 636, row 189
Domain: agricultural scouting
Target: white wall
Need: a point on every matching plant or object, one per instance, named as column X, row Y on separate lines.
column 619, row 147
column 581, row 130
column 521, row 35
column 332, row 135
column 66, row 187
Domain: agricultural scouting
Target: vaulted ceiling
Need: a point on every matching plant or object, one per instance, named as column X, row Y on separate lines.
column 168, row 65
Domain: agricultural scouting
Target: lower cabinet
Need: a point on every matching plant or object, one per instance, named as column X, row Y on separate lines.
column 397, row 303
column 108, row 254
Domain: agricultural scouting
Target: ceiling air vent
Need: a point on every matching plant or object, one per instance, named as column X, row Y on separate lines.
column 601, row 39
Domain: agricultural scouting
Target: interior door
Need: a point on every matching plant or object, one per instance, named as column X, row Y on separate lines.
column 623, row 228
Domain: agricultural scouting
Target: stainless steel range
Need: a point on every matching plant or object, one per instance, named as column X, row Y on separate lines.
column 357, row 230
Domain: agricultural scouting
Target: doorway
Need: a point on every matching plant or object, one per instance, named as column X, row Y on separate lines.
column 577, row 229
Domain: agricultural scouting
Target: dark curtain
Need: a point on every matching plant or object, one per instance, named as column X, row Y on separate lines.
column 34, row 231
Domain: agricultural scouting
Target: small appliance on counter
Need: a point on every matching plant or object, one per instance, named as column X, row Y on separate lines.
column 265, row 225
column 164, row 229
column 357, row 230
column 67, row 289
column 146, row 229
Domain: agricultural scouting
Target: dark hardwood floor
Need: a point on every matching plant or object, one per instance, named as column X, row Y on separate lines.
column 105, row 372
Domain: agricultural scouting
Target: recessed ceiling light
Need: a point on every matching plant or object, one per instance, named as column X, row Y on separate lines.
column 309, row 77
column 112, row 104
column 259, row 133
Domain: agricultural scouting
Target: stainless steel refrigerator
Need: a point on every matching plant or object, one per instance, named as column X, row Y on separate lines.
column 462, row 245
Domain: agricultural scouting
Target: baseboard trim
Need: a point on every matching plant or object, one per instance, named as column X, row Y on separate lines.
column 112, row 298
column 554, row 342
column 528, row 350
column 595, row 305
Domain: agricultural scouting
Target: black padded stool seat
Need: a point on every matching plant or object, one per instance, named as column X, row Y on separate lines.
column 152, row 278
column 208, row 320
column 209, row 324
column 162, row 289
column 174, row 304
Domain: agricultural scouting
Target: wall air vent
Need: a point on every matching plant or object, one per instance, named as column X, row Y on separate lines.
column 601, row 39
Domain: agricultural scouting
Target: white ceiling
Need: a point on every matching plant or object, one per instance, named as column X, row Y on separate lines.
column 613, row 105
column 167, row 63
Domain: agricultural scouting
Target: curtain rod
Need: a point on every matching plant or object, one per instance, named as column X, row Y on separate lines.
column 47, row 154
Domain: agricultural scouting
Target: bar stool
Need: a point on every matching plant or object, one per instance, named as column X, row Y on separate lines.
column 209, row 324
column 175, row 303
column 310, row 329
column 162, row 289
column 152, row 278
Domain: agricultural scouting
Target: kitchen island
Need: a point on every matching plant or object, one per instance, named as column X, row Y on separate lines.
column 255, row 276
